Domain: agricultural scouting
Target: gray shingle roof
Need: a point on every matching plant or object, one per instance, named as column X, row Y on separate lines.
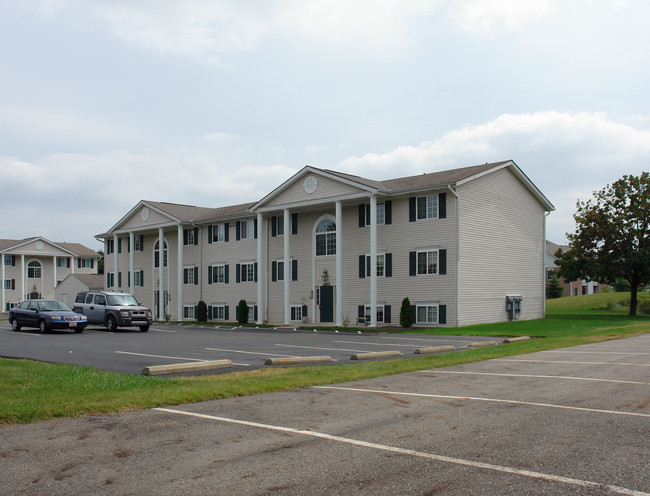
column 76, row 248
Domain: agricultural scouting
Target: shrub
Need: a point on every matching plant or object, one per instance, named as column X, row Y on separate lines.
column 405, row 317
column 202, row 311
column 242, row 312
column 554, row 288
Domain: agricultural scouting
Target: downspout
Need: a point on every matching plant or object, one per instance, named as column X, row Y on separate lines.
column 546, row 214
column 451, row 190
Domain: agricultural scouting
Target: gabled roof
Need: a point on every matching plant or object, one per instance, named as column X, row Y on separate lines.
column 92, row 281
column 76, row 249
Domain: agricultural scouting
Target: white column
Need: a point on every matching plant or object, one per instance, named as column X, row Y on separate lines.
column 3, row 283
column 373, row 261
column 116, row 263
column 287, row 266
column 261, row 272
column 132, row 262
column 161, row 281
column 22, row 266
column 54, row 260
column 179, row 296
column 339, row 264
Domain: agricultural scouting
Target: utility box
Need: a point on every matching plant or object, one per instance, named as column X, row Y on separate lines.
column 513, row 306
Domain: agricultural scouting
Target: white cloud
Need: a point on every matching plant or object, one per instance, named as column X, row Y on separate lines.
column 316, row 149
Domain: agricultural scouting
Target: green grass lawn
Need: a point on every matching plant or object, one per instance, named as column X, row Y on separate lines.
column 31, row 391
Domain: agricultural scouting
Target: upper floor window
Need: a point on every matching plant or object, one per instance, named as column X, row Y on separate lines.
column 326, row 237
column 157, row 254
column 34, row 270
column 85, row 263
column 138, row 243
column 279, row 225
column 110, row 246
column 191, row 236
column 380, row 265
column 428, row 262
column 218, row 233
column 63, row 262
column 10, row 260
column 428, row 207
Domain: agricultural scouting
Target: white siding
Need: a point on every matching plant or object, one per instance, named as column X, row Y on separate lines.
column 502, row 249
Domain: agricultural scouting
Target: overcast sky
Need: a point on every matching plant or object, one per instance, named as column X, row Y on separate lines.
column 213, row 103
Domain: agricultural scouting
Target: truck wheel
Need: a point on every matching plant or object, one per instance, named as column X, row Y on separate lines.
column 111, row 324
column 42, row 327
column 144, row 328
column 15, row 326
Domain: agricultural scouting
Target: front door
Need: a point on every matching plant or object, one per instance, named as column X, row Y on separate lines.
column 327, row 304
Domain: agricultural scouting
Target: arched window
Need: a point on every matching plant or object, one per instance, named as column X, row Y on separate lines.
column 34, row 270
column 156, row 254
column 326, row 237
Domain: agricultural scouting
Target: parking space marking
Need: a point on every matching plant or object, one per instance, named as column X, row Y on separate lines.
column 441, row 338
column 596, row 352
column 162, row 330
column 377, row 344
column 320, row 348
column 490, row 400
column 408, row 452
column 570, row 361
column 532, row 376
column 161, row 356
column 251, row 352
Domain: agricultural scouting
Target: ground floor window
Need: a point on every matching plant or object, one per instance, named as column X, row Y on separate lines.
column 188, row 311
column 296, row 312
column 380, row 313
column 427, row 314
column 219, row 312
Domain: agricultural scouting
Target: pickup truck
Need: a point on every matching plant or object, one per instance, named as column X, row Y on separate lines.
column 113, row 309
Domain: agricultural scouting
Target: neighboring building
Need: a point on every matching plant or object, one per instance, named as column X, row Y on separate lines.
column 67, row 290
column 326, row 247
column 33, row 267
column 571, row 288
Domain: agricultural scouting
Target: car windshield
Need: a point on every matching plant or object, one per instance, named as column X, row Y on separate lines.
column 53, row 306
column 125, row 300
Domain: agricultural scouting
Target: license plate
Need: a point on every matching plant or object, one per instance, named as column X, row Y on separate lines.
column 73, row 324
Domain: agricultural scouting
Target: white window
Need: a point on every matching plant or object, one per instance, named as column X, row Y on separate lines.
column 10, row 284
column 9, row 259
column 380, row 313
column 34, row 270
column 219, row 232
column 381, row 265
column 427, row 262
column 247, row 229
column 279, row 225
column 188, row 275
column 381, row 214
column 157, row 254
column 138, row 243
column 296, row 312
column 219, row 274
column 427, row 207
column 190, row 236
column 188, row 311
column 138, row 278
column 426, row 313
column 326, row 237
column 85, row 263
column 63, row 262
column 247, row 272
column 219, row 312
column 110, row 246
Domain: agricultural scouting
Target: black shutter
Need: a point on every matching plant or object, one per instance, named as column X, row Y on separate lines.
column 304, row 311
column 442, row 205
column 386, row 314
column 274, row 227
column 209, row 274
column 209, row 312
column 388, row 265
column 142, row 278
column 294, row 223
column 274, row 271
column 255, row 313
column 413, row 314
column 361, row 311
column 442, row 314
column 13, row 284
column 412, row 209
column 255, row 272
column 226, row 313
column 255, row 230
column 128, row 279
column 238, row 231
column 92, row 263
column 225, row 231
column 388, row 212
column 294, row 270
column 362, row 266
column 237, row 275
column 442, row 262
column 185, row 236
column 196, row 276
column 196, row 236
column 119, row 245
column 362, row 215
column 210, row 235
column 184, row 276
column 225, row 273
column 413, row 263
column 78, row 263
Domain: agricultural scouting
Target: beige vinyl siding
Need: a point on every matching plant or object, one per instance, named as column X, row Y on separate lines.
column 400, row 238
column 136, row 222
column 327, row 189
column 501, row 248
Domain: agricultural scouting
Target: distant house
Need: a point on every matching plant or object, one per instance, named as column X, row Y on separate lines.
column 326, row 247
column 67, row 290
column 33, row 267
column 571, row 288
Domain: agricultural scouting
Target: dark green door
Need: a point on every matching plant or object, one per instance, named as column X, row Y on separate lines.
column 327, row 303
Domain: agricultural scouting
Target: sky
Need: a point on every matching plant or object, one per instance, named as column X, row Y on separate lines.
column 215, row 103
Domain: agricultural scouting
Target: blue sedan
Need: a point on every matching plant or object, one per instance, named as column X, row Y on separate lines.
column 46, row 315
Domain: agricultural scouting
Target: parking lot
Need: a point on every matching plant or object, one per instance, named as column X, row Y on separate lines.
column 130, row 351
column 574, row 421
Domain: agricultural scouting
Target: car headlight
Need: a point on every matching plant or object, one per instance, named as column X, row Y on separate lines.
column 83, row 317
column 124, row 313
column 55, row 317
column 148, row 313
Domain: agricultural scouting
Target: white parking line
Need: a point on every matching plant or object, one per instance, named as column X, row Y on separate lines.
column 376, row 344
column 161, row 330
column 491, row 400
column 596, row 352
column 420, row 454
column 433, row 338
column 250, row 352
column 532, row 376
column 162, row 356
column 569, row 361
column 319, row 348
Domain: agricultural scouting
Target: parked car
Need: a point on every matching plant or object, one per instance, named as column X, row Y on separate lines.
column 46, row 315
column 113, row 309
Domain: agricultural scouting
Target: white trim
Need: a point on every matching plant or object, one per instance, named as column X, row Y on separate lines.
column 287, row 265
column 261, row 273
column 339, row 264
column 373, row 261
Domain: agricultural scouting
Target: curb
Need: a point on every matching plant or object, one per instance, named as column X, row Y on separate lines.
column 186, row 367
column 297, row 360
column 435, row 349
column 482, row 344
column 515, row 340
column 376, row 354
